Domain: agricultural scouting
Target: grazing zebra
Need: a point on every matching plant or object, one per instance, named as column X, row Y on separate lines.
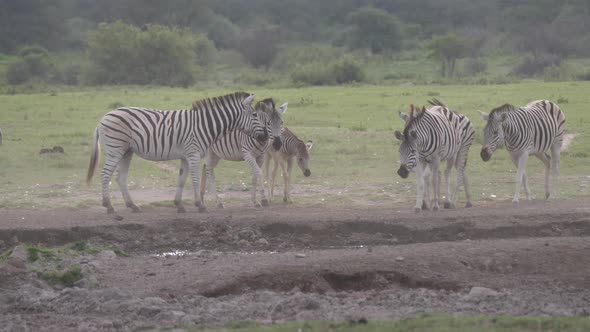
column 237, row 146
column 291, row 149
column 429, row 137
column 168, row 135
column 528, row 130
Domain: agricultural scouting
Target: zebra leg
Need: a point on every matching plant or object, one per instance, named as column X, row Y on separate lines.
column 435, row 184
column 112, row 161
column 462, row 179
column 273, row 178
column 182, row 174
column 555, row 155
column 121, row 178
column 520, row 161
column 256, row 177
column 449, row 199
column 209, row 168
column 426, row 200
column 261, row 188
column 420, row 177
column 194, row 163
column 545, row 159
column 287, row 178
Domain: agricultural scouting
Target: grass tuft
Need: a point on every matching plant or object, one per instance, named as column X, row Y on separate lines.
column 67, row 278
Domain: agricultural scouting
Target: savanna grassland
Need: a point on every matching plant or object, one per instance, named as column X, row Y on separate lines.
column 354, row 157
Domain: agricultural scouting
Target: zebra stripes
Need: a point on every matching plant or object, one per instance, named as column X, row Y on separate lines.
column 529, row 130
column 431, row 136
column 237, row 146
column 168, row 135
column 293, row 149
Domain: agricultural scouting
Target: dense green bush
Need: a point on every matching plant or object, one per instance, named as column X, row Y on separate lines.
column 347, row 71
column 33, row 62
column 531, row 66
column 374, row 29
column 259, row 45
column 342, row 71
column 124, row 54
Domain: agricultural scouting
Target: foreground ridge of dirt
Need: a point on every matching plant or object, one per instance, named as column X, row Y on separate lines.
column 296, row 263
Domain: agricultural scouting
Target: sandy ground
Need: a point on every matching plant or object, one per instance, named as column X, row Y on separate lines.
column 290, row 262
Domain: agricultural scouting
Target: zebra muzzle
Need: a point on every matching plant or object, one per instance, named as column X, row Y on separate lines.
column 403, row 172
column 276, row 144
column 485, row 154
column 307, row 173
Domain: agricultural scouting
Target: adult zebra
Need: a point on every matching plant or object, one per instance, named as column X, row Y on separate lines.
column 429, row 137
column 168, row 135
column 237, row 146
column 463, row 125
column 528, row 130
column 292, row 149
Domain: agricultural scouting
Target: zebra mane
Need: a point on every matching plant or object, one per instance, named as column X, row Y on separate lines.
column 236, row 96
column 436, row 102
column 502, row 109
column 411, row 121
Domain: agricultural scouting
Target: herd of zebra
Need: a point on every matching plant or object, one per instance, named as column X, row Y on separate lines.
column 228, row 127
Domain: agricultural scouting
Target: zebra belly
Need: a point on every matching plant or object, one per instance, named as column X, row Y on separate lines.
column 174, row 153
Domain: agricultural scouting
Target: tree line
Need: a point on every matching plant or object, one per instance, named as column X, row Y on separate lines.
column 128, row 41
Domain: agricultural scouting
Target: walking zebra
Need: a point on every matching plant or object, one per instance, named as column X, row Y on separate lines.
column 430, row 137
column 237, row 146
column 291, row 149
column 168, row 135
column 528, row 130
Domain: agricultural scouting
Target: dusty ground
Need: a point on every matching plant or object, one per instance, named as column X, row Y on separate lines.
column 291, row 262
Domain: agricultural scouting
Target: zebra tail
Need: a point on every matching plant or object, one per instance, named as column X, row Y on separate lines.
column 94, row 156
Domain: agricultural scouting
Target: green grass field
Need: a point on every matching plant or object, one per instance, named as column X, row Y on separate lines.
column 354, row 158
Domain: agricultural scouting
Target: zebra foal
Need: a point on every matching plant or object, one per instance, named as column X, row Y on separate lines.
column 293, row 149
column 167, row 135
column 529, row 130
column 237, row 146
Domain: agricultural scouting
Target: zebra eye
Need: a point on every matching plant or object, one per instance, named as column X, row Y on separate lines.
column 254, row 114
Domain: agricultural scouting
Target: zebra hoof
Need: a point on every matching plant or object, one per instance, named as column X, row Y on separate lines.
column 515, row 203
column 547, row 196
column 449, row 205
column 468, row 205
column 110, row 210
column 264, row 202
column 417, row 209
column 135, row 209
column 435, row 208
column 202, row 209
column 180, row 209
column 424, row 206
column 285, row 200
column 257, row 205
column 117, row 217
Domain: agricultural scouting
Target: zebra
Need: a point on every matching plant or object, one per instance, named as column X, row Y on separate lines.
column 167, row 135
column 429, row 137
column 528, row 130
column 237, row 146
column 291, row 149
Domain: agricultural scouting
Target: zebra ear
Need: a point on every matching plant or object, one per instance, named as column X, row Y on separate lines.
column 248, row 101
column 283, row 108
column 403, row 116
column 484, row 116
column 309, row 145
column 399, row 135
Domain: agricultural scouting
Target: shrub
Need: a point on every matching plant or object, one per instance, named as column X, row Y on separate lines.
column 204, row 50
column 533, row 66
column 347, row 71
column 33, row 62
column 259, row 46
column 342, row 71
column 67, row 278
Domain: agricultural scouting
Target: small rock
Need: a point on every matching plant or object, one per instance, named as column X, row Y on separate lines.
column 107, row 254
column 477, row 294
column 300, row 255
column 243, row 243
column 399, row 258
column 262, row 242
column 246, row 234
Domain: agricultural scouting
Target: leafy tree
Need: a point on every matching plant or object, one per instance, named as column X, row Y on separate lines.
column 447, row 49
column 33, row 62
column 375, row 29
column 259, row 45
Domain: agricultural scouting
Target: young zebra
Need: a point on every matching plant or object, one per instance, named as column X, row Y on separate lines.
column 528, row 130
column 467, row 134
column 291, row 149
column 429, row 137
column 237, row 146
column 168, row 135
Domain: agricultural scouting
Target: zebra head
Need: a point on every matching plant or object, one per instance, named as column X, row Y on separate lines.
column 250, row 120
column 273, row 118
column 407, row 152
column 493, row 133
column 303, row 157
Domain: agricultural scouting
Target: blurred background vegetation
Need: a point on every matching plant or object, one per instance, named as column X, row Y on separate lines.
column 290, row 43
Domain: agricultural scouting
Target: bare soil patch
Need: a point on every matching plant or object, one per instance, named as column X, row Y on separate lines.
column 290, row 262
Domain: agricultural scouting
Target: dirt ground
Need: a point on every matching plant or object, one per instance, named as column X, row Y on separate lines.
column 290, row 262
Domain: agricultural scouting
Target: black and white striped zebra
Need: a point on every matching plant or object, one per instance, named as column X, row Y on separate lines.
column 292, row 150
column 237, row 146
column 167, row 135
column 431, row 136
column 529, row 130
